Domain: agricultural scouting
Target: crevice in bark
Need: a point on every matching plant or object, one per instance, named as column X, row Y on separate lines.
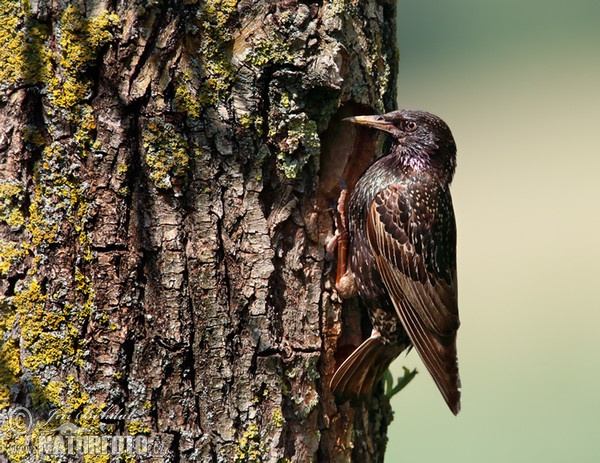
column 175, row 452
column 275, row 299
column 269, row 191
column 128, row 349
column 135, row 177
column 110, row 248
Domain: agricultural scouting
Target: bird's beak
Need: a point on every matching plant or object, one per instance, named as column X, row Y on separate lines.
column 377, row 122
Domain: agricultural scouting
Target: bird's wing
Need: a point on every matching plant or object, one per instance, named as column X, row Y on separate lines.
column 414, row 247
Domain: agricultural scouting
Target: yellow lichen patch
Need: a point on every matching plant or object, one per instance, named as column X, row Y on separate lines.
column 7, row 319
column 84, row 287
column 81, row 37
column 137, row 427
column 32, row 136
column 218, row 12
column 30, row 300
column 334, row 8
column 10, row 365
column 41, row 227
column 10, row 370
column 252, row 123
column 270, row 50
column 48, row 396
column 214, row 21
column 166, row 153
column 127, row 458
column 51, row 331
column 68, row 94
column 11, row 199
column 53, row 186
column 48, row 349
column 10, row 254
column 90, row 415
column 186, row 100
column 10, row 41
column 13, row 442
column 250, row 449
column 96, row 458
column 69, row 403
column 80, row 41
column 72, row 413
column 58, row 197
column 30, row 304
column 277, row 419
column 23, row 54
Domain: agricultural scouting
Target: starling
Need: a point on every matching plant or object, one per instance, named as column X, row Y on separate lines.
column 401, row 249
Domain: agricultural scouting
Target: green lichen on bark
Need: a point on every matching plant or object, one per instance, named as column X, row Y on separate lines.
column 300, row 145
column 294, row 134
column 205, row 78
column 59, row 196
column 215, row 20
column 270, row 50
column 166, row 152
column 186, row 96
column 380, row 67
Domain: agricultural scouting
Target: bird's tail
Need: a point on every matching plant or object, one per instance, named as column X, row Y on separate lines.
column 364, row 367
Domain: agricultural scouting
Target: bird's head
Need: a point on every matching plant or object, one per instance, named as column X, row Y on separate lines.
column 420, row 140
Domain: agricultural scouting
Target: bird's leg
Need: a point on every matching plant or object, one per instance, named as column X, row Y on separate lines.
column 344, row 280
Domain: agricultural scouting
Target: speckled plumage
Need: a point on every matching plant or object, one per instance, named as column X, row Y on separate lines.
column 402, row 254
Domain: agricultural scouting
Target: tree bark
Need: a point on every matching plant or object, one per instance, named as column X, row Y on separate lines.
column 167, row 174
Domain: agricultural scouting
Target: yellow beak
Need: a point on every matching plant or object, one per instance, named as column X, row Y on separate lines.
column 377, row 122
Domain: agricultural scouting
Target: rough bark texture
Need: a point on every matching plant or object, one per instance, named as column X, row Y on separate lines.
column 167, row 171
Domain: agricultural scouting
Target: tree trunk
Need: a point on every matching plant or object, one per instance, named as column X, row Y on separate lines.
column 167, row 173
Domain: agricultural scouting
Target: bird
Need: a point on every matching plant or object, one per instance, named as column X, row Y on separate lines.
column 401, row 254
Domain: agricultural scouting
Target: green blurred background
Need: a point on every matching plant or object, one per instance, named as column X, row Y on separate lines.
column 518, row 82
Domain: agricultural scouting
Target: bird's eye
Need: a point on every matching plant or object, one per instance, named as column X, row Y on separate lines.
column 410, row 126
